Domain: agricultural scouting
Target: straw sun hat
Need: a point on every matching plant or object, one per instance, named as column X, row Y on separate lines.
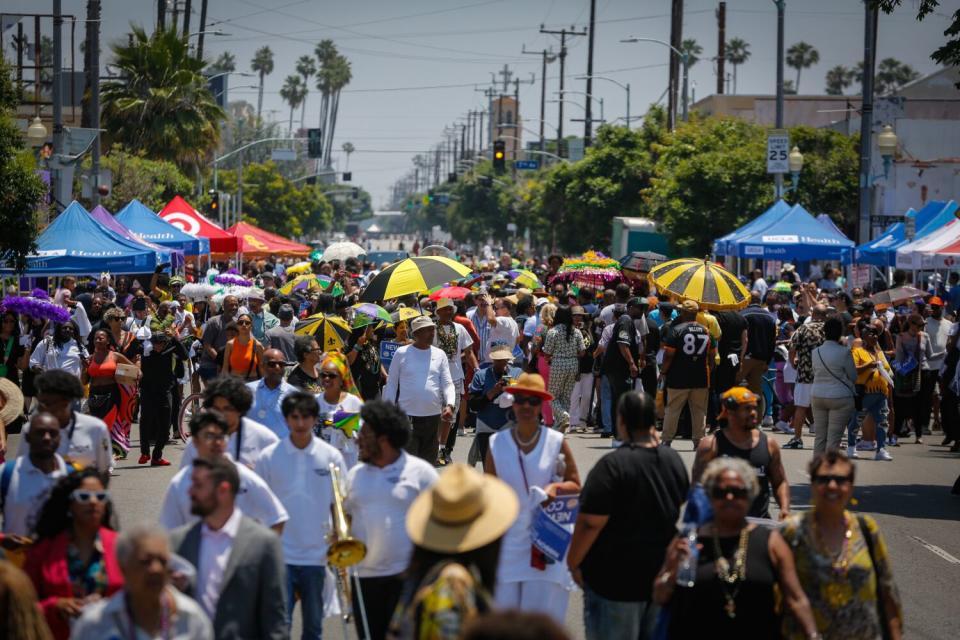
column 12, row 400
column 530, row 384
column 463, row 511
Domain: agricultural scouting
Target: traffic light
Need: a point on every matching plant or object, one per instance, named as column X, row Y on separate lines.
column 499, row 155
column 451, row 177
column 429, row 197
column 356, row 193
column 314, row 148
column 485, row 181
column 214, row 206
column 347, row 176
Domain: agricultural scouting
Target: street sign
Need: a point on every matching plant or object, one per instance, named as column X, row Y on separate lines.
column 778, row 151
column 283, row 155
column 910, row 227
column 527, row 165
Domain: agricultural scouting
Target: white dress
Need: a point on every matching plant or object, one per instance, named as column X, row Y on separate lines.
column 337, row 438
column 515, row 572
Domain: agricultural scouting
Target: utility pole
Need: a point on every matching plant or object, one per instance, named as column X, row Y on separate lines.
column 563, row 33
column 187, row 8
column 93, row 50
column 588, row 118
column 57, row 96
column 781, row 6
column 161, row 15
column 676, row 41
column 866, row 121
column 547, row 57
column 721, row 44
column 203, row 26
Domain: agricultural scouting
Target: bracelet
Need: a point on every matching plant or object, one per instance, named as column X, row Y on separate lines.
column 356, row 348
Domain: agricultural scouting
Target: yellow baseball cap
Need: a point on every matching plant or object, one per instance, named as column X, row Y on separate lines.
column 736, row 397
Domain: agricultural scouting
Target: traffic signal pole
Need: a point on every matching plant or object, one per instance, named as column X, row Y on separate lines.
column 563, row 33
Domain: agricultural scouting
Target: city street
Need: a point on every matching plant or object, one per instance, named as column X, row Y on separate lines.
column 910, row 497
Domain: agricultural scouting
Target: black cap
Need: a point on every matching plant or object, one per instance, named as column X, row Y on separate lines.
column 637, row 302
column 285, row 312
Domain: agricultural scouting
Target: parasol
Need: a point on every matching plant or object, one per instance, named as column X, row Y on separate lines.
column 705, row 282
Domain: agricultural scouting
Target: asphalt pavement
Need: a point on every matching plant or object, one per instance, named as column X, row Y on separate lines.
column 910, row 498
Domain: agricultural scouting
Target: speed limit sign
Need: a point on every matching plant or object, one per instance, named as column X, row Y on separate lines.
column 778, row 150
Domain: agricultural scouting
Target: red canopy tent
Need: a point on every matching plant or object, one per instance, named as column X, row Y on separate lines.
column 180, row 214
column 255, row 242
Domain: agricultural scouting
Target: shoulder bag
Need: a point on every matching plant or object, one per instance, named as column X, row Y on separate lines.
column 881, row 602
column 857, row 397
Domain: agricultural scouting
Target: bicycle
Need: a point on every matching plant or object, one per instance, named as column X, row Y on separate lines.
column 189, row 407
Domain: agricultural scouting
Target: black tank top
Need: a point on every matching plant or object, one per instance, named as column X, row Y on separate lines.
column 759, row 459
column 698, row 611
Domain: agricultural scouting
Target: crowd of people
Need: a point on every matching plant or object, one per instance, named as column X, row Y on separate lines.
column 289, row 424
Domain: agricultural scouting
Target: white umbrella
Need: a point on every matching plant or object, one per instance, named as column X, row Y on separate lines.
column 343, row 250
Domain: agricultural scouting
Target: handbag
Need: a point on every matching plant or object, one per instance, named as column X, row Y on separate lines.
column 881, row 603
column 906, row 379
column 857, row 398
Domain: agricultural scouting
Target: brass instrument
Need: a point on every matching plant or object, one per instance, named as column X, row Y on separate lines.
column 344, row 550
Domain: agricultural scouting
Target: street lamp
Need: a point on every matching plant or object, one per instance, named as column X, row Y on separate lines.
column 887, row 144
column 562, row 92
column 235, row 73
column 36, row 132
column 625, row 87
column 684, row 59
column 215, row 32
column 795, row 164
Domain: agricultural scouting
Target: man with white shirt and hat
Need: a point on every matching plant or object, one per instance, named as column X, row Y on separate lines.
column 419, row 382
column 456, row 343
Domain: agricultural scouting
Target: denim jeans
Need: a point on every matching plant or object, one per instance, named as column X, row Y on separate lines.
column 308, row 582
column 606, row 410
column 874, row 404
column 613, row 620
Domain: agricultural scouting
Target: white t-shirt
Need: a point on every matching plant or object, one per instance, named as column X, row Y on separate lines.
column 85, row 440
column 256, row 438
column 336, row 437
column 27, row 492
column 254, row 498
column 423, row 379
column 378, row 499
column 464, row 342
column 301, row 479
column 505, row 331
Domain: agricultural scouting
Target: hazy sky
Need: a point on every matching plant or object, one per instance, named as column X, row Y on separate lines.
column 411, row 59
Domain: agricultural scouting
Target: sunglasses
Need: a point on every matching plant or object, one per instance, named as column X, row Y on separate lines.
column 82, row 496
column 533, row 401
column 721, row 493
column 824, row 480
column 114, row 318
column 329, row 376
column 244, row 323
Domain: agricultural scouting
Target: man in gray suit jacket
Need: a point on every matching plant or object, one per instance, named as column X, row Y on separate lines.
column 241, row 581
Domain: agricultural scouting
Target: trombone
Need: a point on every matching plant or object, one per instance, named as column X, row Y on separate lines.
column 343, row 552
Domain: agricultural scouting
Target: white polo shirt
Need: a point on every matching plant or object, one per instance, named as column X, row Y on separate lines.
column 255, row 438
column 27, row 492
column 254, row 498
column 378, row 499
column 84, row 440
column 301, row 479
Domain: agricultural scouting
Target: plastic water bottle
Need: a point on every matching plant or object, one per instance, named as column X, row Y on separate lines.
column 687, row 572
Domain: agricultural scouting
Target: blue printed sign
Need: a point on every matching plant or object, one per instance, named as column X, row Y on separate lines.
column 529, row 165
column 553, row 526
column 387, row 349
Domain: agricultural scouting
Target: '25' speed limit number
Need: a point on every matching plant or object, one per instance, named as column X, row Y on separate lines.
column 778, row 151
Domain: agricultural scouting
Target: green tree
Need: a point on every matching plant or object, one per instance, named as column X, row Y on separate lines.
column 21, row 188
column 693, row 51
column 160, row 105
column 333, row 75
column 893, row 74
column 838, row 79
column 737, row 52
column 348, row 148
column 307, row 68
column 800, row 56
column 294, row 93
column 274, row 203
column 949, row 53
column 262, row 63
column 225, row 63
column 153, row 182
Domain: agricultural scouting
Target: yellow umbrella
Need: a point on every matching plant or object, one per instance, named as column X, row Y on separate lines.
column 705, row 282
column 411, row 276
column 299, row 268
column 330, row 331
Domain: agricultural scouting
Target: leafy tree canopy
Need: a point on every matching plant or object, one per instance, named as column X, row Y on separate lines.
column 153, row 182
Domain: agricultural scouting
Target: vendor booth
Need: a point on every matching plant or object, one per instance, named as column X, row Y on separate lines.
column 147, row 225
column 796, row 236
column 180, row 214
column 255, row 242
column 105, row 218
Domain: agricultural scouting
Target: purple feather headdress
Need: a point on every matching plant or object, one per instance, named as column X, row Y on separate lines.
column 35, row 308
column 40, row 294
column 230, row 279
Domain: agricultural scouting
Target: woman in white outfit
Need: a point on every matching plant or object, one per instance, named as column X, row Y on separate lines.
column 538, row 465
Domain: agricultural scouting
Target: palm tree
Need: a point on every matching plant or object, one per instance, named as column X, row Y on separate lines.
column 160, row 105
column 693, row 51
column 294, row 92
column 225, row 63
column 348, row 148
column 306, row 67
column 333, row 75
column 802, row 56
column 788, row 88
column 262, row 63
column 893, row 74
column 737, row 52
column 838, row 79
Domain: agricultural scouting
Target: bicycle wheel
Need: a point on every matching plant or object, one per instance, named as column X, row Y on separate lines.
column 190, row 406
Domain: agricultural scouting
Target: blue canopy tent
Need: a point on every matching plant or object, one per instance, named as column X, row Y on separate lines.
column 797, row 236
column 117, row 230
column 929, row 211
column 76, row 244
column 149, row 226
column 882, row 251
column 726, row 246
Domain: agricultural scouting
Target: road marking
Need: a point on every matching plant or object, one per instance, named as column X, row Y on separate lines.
column 936, row 550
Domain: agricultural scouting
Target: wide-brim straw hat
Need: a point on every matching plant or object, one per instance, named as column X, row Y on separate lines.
column 530, row 384
column 12, row 399
column 465, row 510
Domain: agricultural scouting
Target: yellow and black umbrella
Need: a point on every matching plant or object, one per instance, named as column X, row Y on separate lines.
column 330, row 331
column 412, row 276
column 709, row 284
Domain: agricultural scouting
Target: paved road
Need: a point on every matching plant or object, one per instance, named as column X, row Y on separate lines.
column 910, row 497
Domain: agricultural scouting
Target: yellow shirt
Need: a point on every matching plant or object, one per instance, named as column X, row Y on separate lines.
column 872, row 379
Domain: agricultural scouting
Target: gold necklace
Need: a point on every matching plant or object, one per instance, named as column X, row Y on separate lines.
column 730, row 579
column 841, row 560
